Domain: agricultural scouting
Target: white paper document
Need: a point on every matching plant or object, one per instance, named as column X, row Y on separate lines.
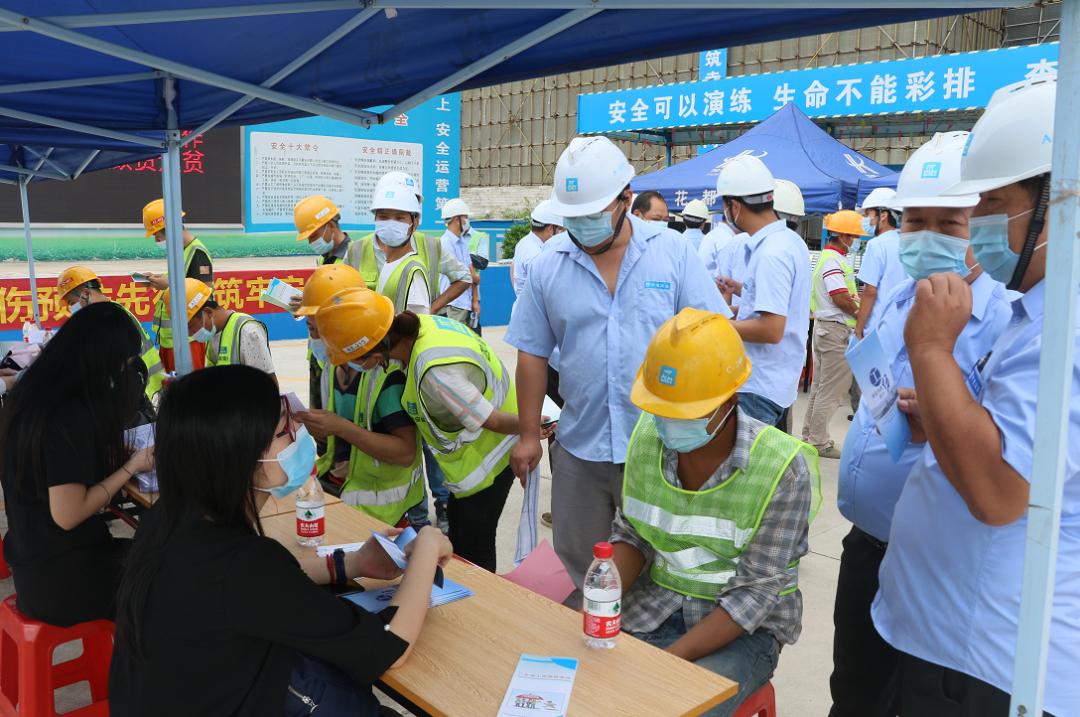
column 874, row 375
column 278, row 293
column 540, row 686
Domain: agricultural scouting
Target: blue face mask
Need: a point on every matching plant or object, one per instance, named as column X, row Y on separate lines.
column 74, row 308
column 867, row 226
column 203, row 335
column 855, row 244
column 297, row 460
column 925, row 252
column 321, row 245
column 990, row 242
column 684, row 435
column 359, row 368
column 392, row 232
column 318, row 350
column 592, row 230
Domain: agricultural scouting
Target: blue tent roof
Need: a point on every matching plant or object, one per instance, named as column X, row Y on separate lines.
column 828, row 172
column 219, row 56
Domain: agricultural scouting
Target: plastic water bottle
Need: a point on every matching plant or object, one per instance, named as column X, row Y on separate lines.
column 310, row 513
column 603, row 599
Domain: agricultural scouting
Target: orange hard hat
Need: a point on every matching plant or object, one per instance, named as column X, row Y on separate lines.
column 72, row 278
column 153, row 217
column 845, row 221
column 326, row 281
column 196, row 295
column 352, row 322
column 311, row 213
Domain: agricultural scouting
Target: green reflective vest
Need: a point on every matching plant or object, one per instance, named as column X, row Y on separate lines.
column 469, row 466
column 699, row 536
column 361, row 256
column 381, row 490
column 229, row 349
column 479, row 239
column 849, row 279
column 150, row 357
column 161, row 313
column 400, row 280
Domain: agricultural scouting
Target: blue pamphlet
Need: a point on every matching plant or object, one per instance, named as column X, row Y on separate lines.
column 540, row 686
column 376, row 600
column 873, row 372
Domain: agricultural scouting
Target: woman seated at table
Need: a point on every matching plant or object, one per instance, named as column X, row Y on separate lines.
column 213, row 618
column 64, row 458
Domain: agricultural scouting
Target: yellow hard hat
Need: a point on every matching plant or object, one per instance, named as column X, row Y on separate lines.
column 153, row 217
column 352, row 322
column 312, row 212
column 693, row 365
column 326, row 281
column 846, row 221
column 72, row 278
column 197, row 294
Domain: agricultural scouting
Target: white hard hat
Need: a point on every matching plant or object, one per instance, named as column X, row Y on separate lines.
column 456, row 207
column 400, row 178
column 745, row 176
column 787, row 199
column 590, row 173
column 544, row 215
column 696, row 209
column 931, row 170
column 881, row 197
column 1012, row 141
column 395, row 196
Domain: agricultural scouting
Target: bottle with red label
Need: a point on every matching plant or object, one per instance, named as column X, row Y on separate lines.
column 310, row 513
column 603, row 599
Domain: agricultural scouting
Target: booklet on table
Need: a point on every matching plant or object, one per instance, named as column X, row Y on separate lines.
column 540, row 686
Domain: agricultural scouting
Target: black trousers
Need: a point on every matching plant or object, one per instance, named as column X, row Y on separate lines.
column 474, row 521
column 553, row 386
column 929, row 690
column 865, row 678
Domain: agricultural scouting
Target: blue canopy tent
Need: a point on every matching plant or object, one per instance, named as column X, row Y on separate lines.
column 828, row 172
column 110, row 69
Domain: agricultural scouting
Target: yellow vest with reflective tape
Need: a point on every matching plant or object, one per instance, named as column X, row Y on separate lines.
column 381, row 490
column 155, row 372
column 162, row 321
column 849, row 279
column 469, row 466
column 699, row 536
column 229, row 349
column 361, row 256
column 400, row 281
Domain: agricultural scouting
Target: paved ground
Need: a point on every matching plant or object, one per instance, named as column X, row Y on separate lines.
column 802, row 678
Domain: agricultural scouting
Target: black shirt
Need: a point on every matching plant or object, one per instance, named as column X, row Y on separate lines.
column 201, row 267
column 224, row 615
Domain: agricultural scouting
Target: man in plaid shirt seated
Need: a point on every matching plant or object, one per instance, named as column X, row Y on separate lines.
column 715, row 511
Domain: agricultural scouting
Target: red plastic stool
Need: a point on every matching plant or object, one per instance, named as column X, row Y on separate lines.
column 28, row 677
column 760, row 704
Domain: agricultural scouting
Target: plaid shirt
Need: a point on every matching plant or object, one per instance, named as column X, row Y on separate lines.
column 751, row 598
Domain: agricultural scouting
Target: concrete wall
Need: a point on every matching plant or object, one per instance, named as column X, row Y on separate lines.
column 504, row 202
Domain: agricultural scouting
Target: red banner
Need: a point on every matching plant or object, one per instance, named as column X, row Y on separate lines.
column 238, row 290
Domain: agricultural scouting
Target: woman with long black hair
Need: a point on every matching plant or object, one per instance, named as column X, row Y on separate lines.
column 213, row 618
column 64, row 458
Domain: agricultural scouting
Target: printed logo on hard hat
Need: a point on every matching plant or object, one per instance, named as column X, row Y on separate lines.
column 931, row 170
column 410, row 182
column 571, row 184
column 356, row 345
column 967, row 144
column 322, row 212
column 667, row 375
column 389, row 194
column 158, row 220
column 1047, row 139
column 196, row 300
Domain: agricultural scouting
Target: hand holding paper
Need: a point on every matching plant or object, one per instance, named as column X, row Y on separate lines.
column 395, row 549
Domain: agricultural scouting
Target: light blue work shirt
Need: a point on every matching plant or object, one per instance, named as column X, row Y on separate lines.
column 602, row 338
column 694, row 235
column 950, row 585
column 458, row 247
column 526, row 250
column 777, row 282
column 713, row 246
column 870, row 483
column 881, row 269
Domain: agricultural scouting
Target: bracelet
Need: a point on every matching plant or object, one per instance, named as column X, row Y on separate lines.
column 125, row 469
column 330, row 569
column 341, row 576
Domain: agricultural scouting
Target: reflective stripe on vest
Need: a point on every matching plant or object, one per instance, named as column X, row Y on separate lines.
column 155, row 371
column 361, row 256
column 469, row 466
column 381, row 490
column 229, row 349
column 699, row 536
column 162, row 320
column 849, row 280
column 397, row 290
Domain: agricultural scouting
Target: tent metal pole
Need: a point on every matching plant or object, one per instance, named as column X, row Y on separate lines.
column 86, row 163
column 563, row 22
column 31, row 172
column 1055, row 390
column 79, row 127
column 44, row 157
column 211, row 13
column 24, row 200
column 174, row 234
column 78, row 82
column 186, row 72
column 668, row 140
column 312, row 52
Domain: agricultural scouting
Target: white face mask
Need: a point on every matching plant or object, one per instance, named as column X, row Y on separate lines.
column 392, row 232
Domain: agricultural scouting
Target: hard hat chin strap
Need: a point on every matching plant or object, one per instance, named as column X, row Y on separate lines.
column 1038, row 220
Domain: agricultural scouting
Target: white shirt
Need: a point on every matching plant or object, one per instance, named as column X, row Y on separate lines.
column 777, row 282
column 830, row 280
column 453, row 397
column 881, row 269
column 458, row 247
column 418, row 301
column 526, row 250
column 254, row 347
